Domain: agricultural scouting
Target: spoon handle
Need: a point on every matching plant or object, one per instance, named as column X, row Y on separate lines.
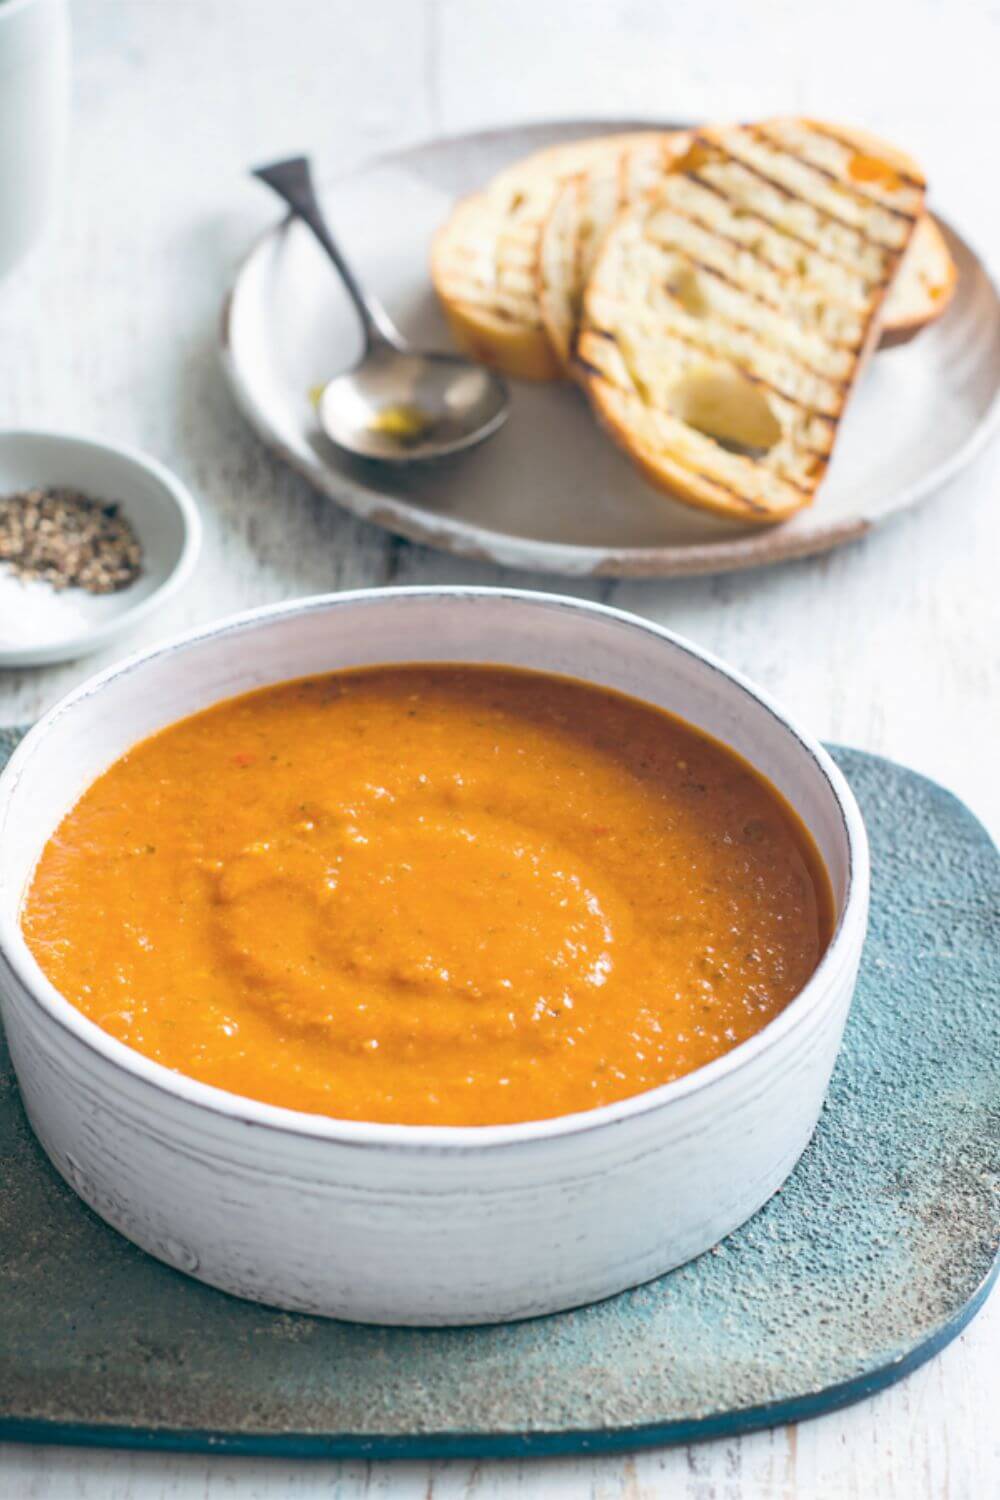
column 292, row 181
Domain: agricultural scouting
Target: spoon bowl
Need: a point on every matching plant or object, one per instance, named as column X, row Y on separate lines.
column 400, row 406
column 397, row 405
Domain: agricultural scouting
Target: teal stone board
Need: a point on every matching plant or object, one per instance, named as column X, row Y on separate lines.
column 877, row 1251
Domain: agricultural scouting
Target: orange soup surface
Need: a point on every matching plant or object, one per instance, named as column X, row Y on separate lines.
column 432, row 895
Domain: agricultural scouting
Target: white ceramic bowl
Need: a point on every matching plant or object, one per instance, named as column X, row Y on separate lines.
column 39, row 625
column 399, row 1223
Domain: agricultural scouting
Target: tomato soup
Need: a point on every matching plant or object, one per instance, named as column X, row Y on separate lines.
column 439, row 895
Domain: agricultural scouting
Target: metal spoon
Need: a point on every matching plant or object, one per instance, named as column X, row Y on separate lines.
column 397, row 404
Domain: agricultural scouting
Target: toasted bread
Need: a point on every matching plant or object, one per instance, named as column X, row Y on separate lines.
column 582, row 211
column 923, row 286
column 585, row 207
column 727, row 318
column 484, row 260
column 926, row 278
column 482, row 274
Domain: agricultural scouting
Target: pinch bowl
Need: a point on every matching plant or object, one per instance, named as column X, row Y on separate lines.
column 39, row 625
column 404, row 1224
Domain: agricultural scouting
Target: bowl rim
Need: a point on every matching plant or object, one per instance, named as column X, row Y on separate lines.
column 244, row 1110
column 92, row 638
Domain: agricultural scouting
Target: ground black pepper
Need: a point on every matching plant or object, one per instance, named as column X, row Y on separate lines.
column 68, row 540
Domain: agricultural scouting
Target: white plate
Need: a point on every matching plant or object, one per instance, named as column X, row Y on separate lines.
column 38, row 624
column 550, row 492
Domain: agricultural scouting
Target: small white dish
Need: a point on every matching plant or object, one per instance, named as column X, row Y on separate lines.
column 408, row 1223
column 39, row 624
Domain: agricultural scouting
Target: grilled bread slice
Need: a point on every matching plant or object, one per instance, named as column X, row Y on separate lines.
column 583, row 210
column 585, row 207
column 924, row 286
column 484, row 260
column 728, row 317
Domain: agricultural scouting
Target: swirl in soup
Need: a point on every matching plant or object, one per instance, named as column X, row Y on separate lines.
column 448, row 895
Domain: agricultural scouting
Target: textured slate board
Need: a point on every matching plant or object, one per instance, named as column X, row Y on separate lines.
column 880, row 1247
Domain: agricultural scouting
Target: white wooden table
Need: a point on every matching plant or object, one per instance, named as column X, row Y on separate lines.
column 893, row 645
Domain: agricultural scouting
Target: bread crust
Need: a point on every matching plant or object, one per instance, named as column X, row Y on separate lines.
column 582, row 212
column 923, row 286
column 484, row 258
column 521, row 243
column 748, row 291
column 514, row 345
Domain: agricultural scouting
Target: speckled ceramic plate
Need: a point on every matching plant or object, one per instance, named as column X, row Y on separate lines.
column 550, row 492
column 876, row 1252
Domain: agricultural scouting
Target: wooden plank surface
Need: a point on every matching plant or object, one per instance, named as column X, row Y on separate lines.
column 891, row 645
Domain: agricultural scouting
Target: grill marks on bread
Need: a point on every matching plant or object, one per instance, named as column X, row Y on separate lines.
column 741, row 301
column 485, row 258
column 582, row 211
